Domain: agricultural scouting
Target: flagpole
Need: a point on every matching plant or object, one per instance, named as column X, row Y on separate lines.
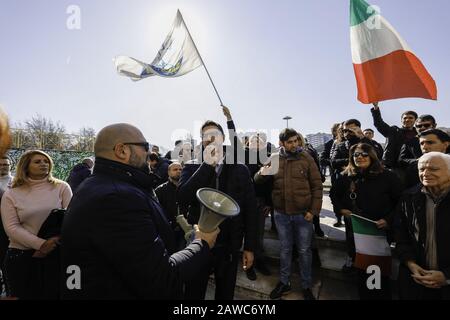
column 201, row 59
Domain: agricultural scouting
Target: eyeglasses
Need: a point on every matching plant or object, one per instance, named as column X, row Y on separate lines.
column 362, row 154
column 425, row 125
column 146, row 145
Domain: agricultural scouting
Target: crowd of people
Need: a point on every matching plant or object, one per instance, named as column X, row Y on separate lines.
column 116, row 218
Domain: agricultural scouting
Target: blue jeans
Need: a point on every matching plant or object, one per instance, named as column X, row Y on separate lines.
column 290, row 228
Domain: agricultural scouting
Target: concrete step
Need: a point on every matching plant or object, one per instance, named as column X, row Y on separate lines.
column 324, row 288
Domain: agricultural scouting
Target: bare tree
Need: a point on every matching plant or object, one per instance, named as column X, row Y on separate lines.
column 86, row 139
column 40, row 132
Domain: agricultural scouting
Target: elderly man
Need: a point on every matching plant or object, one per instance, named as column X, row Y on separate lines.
column 116, row 234
column 423, row 238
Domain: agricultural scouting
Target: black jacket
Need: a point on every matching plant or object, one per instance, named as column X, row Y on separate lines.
column 409, row 153
column 377, row 194
column 339, row 157
column 161, row 171
column 235, row 181
column 411, row 234
column 167, row 197
column 395, row 138
column 325, row 155
column 253, row 159
column 80, row 172
column 116, row 232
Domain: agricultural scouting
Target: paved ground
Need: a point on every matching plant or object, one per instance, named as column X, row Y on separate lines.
column 329, row 283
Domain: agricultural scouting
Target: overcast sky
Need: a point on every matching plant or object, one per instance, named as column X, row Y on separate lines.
column 269, row 59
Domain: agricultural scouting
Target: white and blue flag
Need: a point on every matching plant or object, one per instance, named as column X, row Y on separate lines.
column 176, row 57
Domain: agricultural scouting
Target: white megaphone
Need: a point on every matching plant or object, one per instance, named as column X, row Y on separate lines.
column 216, row 206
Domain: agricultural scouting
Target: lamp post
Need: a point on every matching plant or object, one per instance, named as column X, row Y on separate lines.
column 287, row 118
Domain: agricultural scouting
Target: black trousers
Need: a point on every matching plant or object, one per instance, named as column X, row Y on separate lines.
column 384, row 293
column 31, row 278
column 224, row 266
column 260, row 226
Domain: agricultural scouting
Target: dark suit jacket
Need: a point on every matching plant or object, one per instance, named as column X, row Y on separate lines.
column 116, row 232
column 235, row 181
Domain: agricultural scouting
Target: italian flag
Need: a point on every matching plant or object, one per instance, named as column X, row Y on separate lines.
column 385, row 67
column 371, row 245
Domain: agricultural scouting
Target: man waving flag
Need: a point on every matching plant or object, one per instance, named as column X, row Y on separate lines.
column 385, row 67
column 177, row 56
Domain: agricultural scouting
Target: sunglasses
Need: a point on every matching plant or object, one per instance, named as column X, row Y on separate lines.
column 347, row 131
column 145, row 145
column 362, row 154
column 425, row 125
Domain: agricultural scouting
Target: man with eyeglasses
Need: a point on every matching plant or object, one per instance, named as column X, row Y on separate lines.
column 432, row 140
column 395, row 136
column 352, row 135
column 116, row 234
column 410, row 150
column 5, row 182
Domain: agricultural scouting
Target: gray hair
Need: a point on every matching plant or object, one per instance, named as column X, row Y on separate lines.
column 431, row 155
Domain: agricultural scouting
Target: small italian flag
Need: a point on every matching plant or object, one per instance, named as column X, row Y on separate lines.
column 385, row 67
column 371, row 245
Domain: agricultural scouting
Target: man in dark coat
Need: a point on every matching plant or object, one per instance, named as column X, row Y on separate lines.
column 410, row 150
column 423, row 238
column 369, row 134
column 429, row 141
column 352, row 135
column 216, row 170
column 80, row 172
column 395, row 136
column 159, row 167
column 167, row 197
column 115, row 233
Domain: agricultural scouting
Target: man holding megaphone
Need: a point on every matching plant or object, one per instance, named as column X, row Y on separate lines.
column 234, row 199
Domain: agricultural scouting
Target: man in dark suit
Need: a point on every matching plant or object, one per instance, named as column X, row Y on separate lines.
column 217, row 169
column 115, row 233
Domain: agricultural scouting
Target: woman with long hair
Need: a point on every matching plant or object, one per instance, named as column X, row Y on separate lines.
column 31, row 263
column 368, row 190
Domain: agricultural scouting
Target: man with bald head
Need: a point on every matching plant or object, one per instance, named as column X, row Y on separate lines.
column 116, row 241
column 423, row 239
column 167, row 197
